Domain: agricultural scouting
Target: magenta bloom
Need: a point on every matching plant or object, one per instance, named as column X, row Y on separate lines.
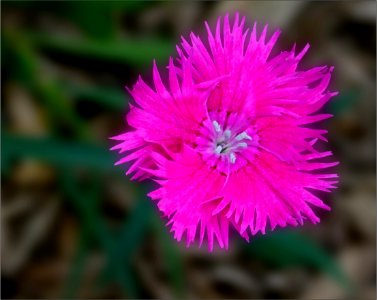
column 227, row 137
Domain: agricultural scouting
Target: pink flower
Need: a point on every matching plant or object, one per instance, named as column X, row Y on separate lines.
column 228, row 137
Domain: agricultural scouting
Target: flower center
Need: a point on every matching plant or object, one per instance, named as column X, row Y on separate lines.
column 226, row 141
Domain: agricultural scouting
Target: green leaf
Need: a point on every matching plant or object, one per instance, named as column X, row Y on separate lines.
column 108, row 97
column 286, row 248
column 86, row 204
column 78, row 265
column 57, row 152
column 97, row 19
column 26, row 68
column 135, row 52
column 129, row 240
column 171, row 257
column 344, row 102
column 134, row 229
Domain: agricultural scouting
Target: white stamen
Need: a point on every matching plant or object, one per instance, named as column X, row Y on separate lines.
column 242, row 145
column 243, row 136
column 216, row 126
column 232, row 158
column 227, row 134
column 218, row 149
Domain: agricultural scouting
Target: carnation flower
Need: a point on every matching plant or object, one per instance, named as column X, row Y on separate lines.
column 227, row 136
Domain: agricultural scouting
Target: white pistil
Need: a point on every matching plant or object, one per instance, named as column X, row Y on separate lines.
column 228, row 145
column 242, row 145
column 216, row 126
column 227, row 133
column 243, row 136
column 218, row 149
column 232, row 158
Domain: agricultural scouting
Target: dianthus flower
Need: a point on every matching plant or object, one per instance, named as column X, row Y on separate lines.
column 227, row 137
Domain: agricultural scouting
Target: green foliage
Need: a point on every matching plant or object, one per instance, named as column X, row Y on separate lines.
column 56, row 152
column 129, row 240
column 96, row 19
column 100, row 19
column 171, row 257
column 108, row 97
column 131, row 51
column 78, row 264
column 26, row 69
column 86, row 203
column 344, row 102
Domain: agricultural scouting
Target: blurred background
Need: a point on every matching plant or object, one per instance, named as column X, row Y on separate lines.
column 73, row 226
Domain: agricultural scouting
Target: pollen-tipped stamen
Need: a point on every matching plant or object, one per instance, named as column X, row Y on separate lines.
column 225, row 143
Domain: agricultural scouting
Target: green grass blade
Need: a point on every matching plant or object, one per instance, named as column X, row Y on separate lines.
column 57, row 152
column 115, row 99
column 78, row 265
column 85, row 201
column 171, row 257
column 131, row 51
column 129, row 240
column 26, row 69
column 86, row 16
